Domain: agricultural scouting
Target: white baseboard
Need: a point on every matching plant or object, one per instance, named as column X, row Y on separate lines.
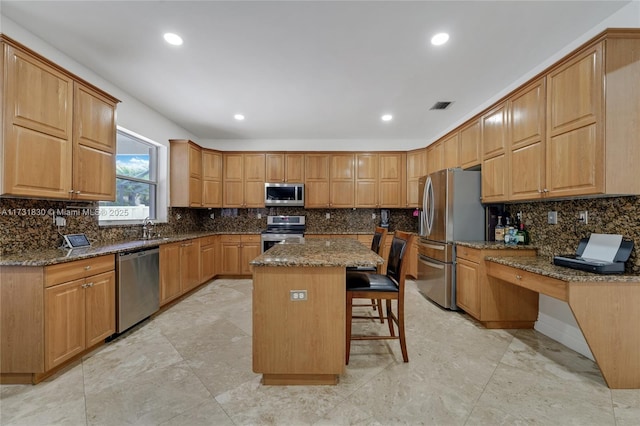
column 560, row 331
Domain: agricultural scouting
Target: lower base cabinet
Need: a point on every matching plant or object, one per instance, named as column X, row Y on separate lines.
column 494, row 304
column 179, row 269
column 237, row 251
column 51, row 314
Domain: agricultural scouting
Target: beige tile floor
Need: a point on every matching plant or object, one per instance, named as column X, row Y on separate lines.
column 191, row 365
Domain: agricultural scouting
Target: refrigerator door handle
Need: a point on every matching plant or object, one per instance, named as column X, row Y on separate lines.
column 431, row 264
column 429, row 206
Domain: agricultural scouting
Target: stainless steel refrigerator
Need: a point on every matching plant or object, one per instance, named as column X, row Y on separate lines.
column 451, row 211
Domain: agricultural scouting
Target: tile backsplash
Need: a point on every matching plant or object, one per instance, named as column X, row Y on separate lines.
column 28, row 225
column 615, row 215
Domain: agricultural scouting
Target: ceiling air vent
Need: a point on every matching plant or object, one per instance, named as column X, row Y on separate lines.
column 441, row 105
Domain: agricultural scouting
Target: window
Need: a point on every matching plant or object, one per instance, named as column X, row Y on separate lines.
column 136, row 181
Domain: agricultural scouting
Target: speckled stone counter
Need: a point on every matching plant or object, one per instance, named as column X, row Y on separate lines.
column 53, row 256
column 543, row 266
column 319, row 252
column 493, row 245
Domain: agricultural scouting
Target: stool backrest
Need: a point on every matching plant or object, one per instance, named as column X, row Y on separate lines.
column 396, row 266
column 378, row 238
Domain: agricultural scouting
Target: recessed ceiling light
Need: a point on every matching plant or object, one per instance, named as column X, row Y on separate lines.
column 239, row 117
column 387, row 117
column 439, row 39
column 173, row 39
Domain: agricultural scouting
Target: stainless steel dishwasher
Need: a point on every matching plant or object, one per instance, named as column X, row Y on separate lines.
column 138, row 290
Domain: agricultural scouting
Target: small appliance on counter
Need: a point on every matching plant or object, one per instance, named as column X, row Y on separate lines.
column 600, row 254
column 384, row 218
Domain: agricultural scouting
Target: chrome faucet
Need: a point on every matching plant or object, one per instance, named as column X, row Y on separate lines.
column 148, row 229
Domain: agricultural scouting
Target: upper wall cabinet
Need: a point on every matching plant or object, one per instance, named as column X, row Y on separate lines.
column 329, row 180
column 469, row 148
column 495, row 168
column 450, row 151
column 593, row 131
column 185, row 173
column 527, row 142
column 435, row 157
column 416, row 168
column 288, row 168
column 211, row 178
column 58, row 133
column 380, row 180
column 244, row 178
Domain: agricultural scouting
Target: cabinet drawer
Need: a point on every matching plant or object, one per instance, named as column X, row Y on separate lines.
column 63, row 272
column 468, row 253
column 536, row 282
column 255, row 238
column 206, row 241
column 230, row 238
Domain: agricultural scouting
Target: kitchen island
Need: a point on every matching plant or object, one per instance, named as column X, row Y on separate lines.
column 299, row 309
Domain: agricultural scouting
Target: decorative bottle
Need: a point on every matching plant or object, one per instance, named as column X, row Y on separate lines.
column 499, row 232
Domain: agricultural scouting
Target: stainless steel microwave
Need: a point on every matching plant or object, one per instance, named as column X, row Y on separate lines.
column 284, row 194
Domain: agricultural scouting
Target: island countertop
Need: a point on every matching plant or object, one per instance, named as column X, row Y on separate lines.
column 319, row 252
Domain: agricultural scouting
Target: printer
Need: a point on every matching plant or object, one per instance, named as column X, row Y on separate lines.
column 576, row 261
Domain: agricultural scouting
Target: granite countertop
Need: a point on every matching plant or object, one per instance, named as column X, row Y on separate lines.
column 58, row 255
column 543, row 266
column 494, row 245
column 319, row 252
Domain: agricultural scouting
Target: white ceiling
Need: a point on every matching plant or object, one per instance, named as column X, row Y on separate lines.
column 311, row 69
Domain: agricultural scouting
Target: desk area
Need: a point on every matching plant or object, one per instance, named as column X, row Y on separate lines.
column 299, row 309
column 606, row 308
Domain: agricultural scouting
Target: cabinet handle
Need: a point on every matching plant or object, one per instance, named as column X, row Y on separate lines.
column 518, row 277
column 71, row 191
column 545, row 190
column 77, row 192
column 89, row 284
column 86, row 268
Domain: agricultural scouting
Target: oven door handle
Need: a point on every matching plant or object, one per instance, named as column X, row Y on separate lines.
column 433, row 265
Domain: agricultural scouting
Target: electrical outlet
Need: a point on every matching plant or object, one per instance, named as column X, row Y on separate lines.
column 259, row 215
column 583, row 217
column 552, row 218
column 212, row 215
column 298, row 295
column 61, row 221
column 328, row 216
column 373, row 215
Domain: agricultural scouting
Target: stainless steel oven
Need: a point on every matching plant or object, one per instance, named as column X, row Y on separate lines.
column 281, row 229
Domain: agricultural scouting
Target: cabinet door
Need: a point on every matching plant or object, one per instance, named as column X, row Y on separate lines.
column 416, row 168
column 435, row 157
column 469, row 150
column 494, row 188
column 494, row 131
column 170, row 276
column 37, row 146
column 450, row 151
column 294, row 168
column 275, row 168
column 342, row 181
column 316, row 182
column 195, row 176
column 207, row 262
column 100, row 307
column 250, row 250
column 391, row 180
column 230, row 254
column 190, row 264
column 366, row 180
column 64, row 308
column 575, row 142
column 94, row 146
column 211, row 193
column 527, row 142
column 468, row 287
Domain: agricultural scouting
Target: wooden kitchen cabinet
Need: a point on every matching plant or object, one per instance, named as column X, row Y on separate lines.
column 329, row 180
column 435, row 157
column 185, row 173
column 470, row 143
column 495, row 166
column 58, row 136
column 208, row 252
column 494, row 304
column 52, row 314
column 244, row 179
column 78, row 315
column 416, row 168
column 211, row 178
column 282, row 167
column 237, row 251
column 380, row 180
column 450, row 151
column 527, row 142
column 179, row 269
